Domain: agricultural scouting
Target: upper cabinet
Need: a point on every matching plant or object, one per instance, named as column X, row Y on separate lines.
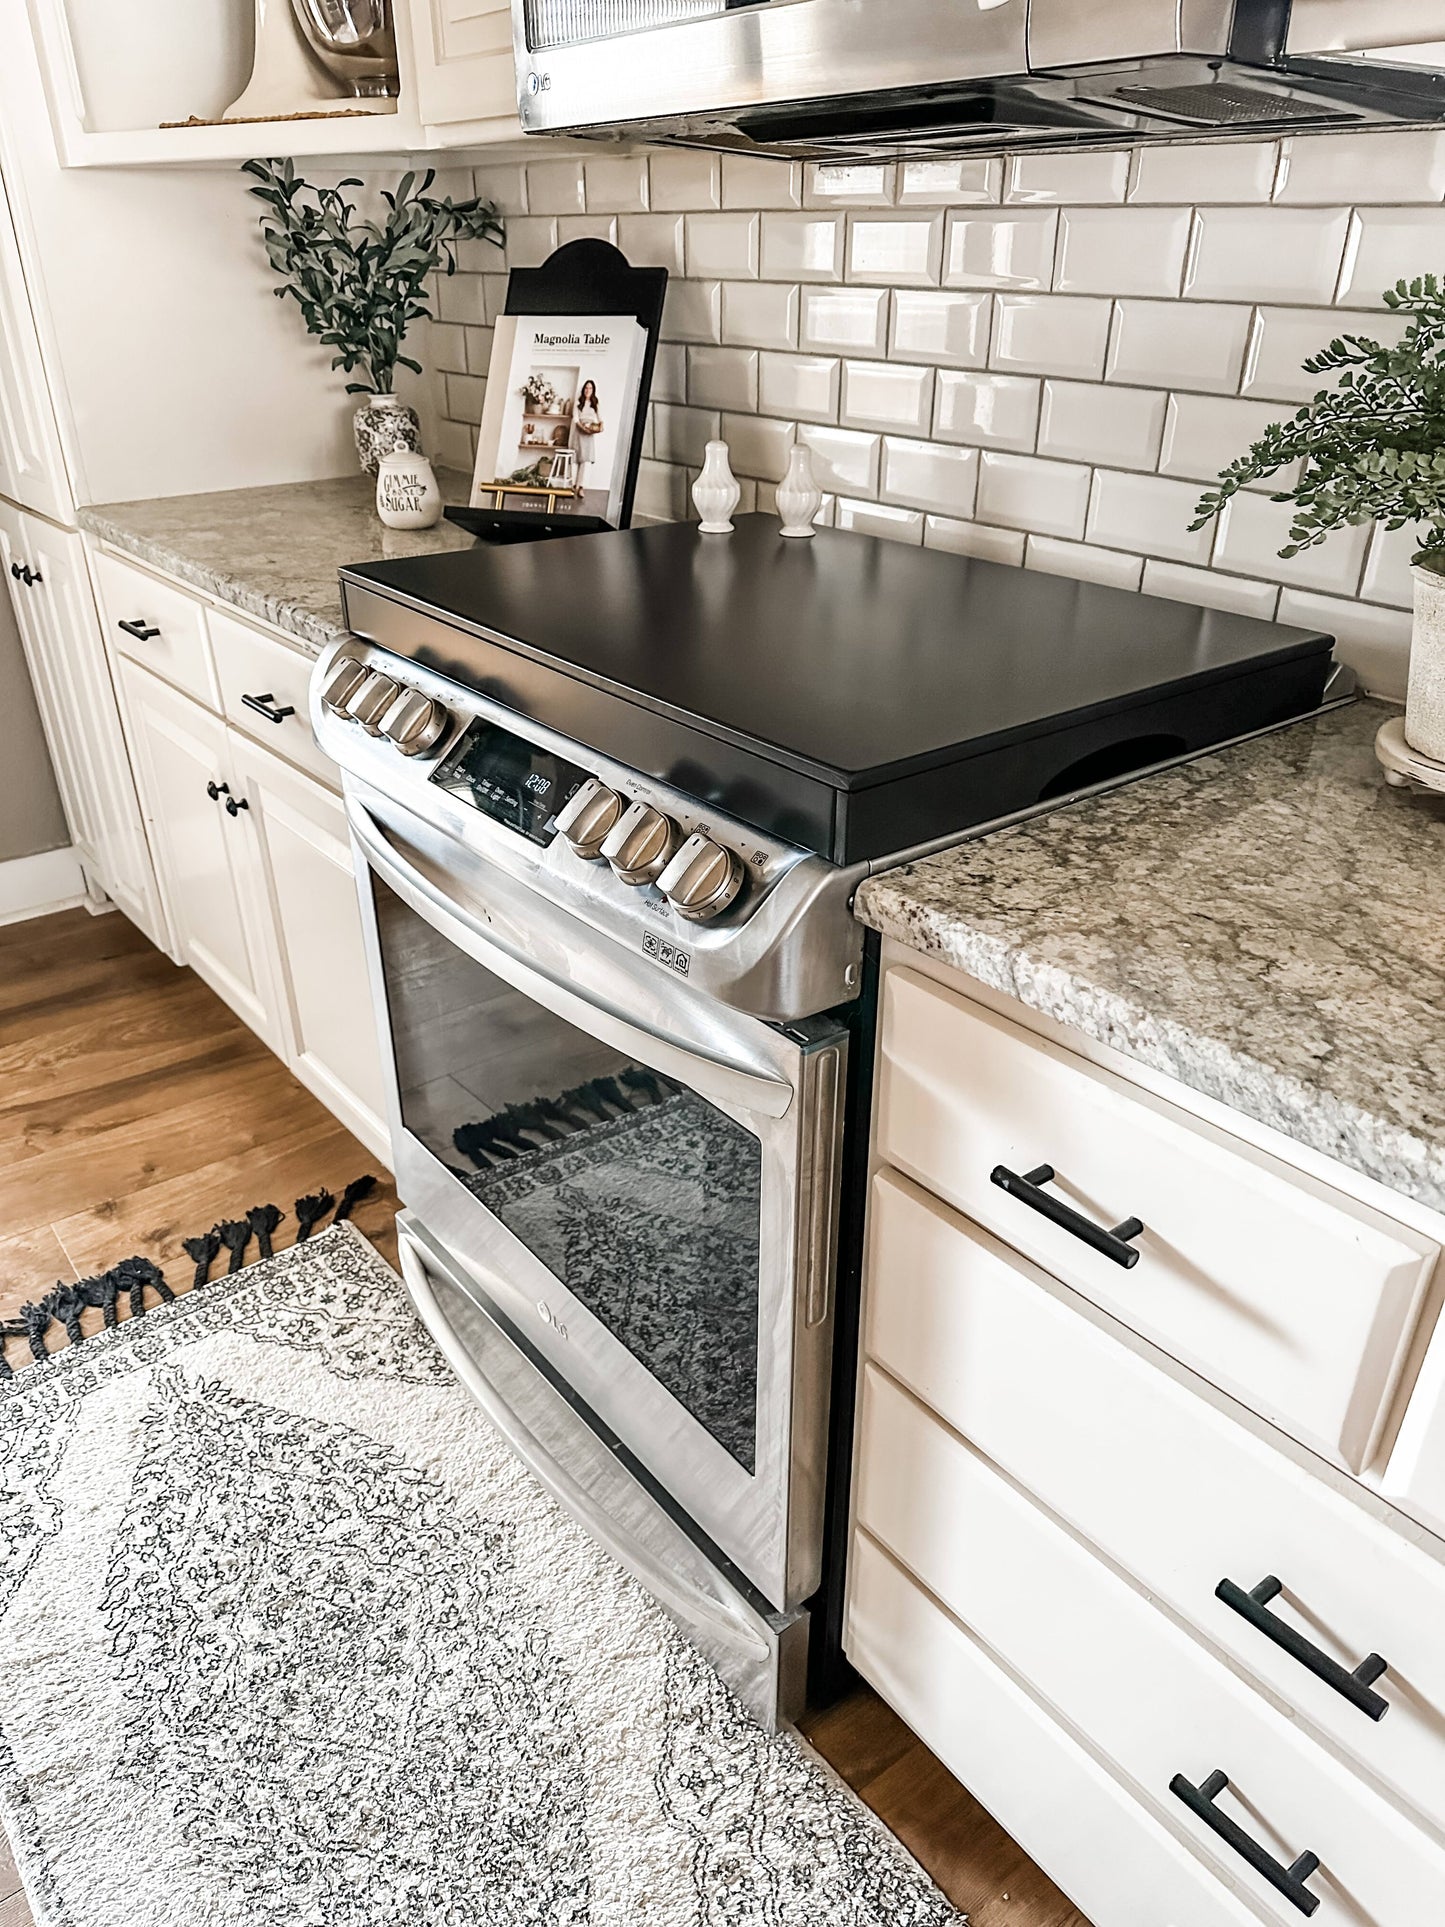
column 32, row 468
column 142, row 86
column 464, row 66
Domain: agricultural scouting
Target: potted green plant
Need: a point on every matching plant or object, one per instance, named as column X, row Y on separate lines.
column 360, row 283
column 1372, row 449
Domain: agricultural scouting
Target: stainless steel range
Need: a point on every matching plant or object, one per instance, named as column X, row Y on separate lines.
column 610, row 800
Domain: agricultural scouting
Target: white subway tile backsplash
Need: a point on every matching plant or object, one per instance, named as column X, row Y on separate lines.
column 1168, row 344
column 855, row 184
column 887, row 394
column 1068, row 179
column 1083, row 563
column 987, row 411
column 662, row 493
column 478, row 350
column 504, row 185
column 1051, row 334
column 1089, row 422
column 1266, row 254
column 693, row 311
column 1204, row 433
column 845, row 320
column 759, row 447
column 1253, row 529
column 455, row 446
column 555, row 187
column 801, row 387
column 948, row 329
column 616, row 184
column 877, row 518
column 1013, row 249
column 924, row 476
column 1195, row 176
column 1282, row 339
column 1124, row 250
column 844, row 461
column 530, row 239
column 1387, row 245
column 465, row 394
column 802, row 247
column 1177, row 582
column 446, row 347
column 682, row 434
column 760, row 314
column 1387, row 567
column 975, row 538
column 461, row 299
column 1358, row 169
column 752, row 182
column 683, row 181
column 723, row 378
column 948, row 183
column 1374, row 642
column 723, row 245
column 586, row 227
column 1047, row 498
column 899, row 250
column 652, row 240
column 1147, row 513
column 669, row 372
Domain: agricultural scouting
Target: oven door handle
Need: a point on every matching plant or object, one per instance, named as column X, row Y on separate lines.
column 747, row 1087
column 690, row 1603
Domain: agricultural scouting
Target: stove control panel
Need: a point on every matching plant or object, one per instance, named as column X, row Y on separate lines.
column 640, row 845
column 702, row 880
column 588, row 818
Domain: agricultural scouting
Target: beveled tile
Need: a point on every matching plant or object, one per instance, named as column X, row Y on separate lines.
column 1051, row 334
column 1081, row 562
column 1148, row 514
column 987, row 410
column 850, row 321
column 1013, row 249
column 887, row 394
column 1021, row 491
column 947, row 329
column 760, row 314
column 975, row 538
column 799, row 387
column 802, row 247
column 899, row 250
column 923, row 475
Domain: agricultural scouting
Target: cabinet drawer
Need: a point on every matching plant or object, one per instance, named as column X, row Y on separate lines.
column 250, row 664
column 1088, row 1833
column 1142, row 1691
column 1286, row 1293
column 1172, row 1489
column 156, row 625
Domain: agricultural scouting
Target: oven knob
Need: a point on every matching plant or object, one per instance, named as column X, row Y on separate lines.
column 415, row 723
column 641, row 844
column 369, row 701
column 588, row 817
column 342, row 684
column 701, row 880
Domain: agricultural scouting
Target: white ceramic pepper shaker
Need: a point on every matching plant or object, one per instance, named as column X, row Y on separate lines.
column 799, row 497
column 407, row 496
column 716, row 492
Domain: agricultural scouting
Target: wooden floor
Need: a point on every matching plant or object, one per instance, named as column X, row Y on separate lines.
column 136, row 1110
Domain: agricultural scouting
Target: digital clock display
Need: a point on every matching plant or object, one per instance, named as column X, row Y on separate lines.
column 511, row 780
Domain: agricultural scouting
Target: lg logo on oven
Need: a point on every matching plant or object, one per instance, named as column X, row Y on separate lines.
column 667, row 954
column 549, row 1317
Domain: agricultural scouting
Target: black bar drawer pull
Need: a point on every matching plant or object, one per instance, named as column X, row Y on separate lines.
column 268, row 707
column 142, row 631
column 1113, row 1244
column 1355, row 1687
column 1290, row 1881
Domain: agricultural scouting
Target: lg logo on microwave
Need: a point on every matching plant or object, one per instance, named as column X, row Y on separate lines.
column 549, row 1317
column 667, row 954
column 538, row 83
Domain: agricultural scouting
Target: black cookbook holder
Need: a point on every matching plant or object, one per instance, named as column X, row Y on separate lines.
column 584, row 277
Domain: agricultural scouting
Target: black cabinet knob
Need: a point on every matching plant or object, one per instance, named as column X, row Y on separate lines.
column 217, row 790
column 235, row 805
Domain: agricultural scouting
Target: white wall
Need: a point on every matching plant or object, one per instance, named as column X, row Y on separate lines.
column 1039, row 360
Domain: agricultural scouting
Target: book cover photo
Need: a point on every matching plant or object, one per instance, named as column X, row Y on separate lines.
column 560, row 405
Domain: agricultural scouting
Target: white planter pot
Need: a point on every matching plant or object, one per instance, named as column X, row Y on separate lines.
column 1425, row 701
column 716, row 492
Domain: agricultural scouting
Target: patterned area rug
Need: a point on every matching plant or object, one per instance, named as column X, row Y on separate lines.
column 290, row 1639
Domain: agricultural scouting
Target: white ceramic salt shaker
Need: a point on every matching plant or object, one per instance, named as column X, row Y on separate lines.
column 716, row 492
column 407, row 496
column 799, row 497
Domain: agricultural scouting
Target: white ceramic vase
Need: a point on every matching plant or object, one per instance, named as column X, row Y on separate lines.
column 407, row 496
column 715, row 492
column 1425, row 699
column 799, row 497
column 286, row 77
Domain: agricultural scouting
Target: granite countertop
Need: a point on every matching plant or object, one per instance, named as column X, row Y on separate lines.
column 1266, row 924
column 273, row 553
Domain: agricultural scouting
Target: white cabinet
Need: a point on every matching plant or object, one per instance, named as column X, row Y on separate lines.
column 328, row 1024
column 463, row 55
column 63, row 648
column 203, row 841
column 32, row 467
column 1415, row 1476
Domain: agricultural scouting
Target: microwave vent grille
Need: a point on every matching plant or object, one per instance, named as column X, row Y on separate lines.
column 567, row 23
column 1221, row 105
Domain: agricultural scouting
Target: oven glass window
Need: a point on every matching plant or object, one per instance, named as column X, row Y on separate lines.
column 638, row 1195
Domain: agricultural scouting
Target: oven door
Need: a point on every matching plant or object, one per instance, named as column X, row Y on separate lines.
column 643, row 1183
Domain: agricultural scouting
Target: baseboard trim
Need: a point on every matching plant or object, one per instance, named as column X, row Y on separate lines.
column 33, row 886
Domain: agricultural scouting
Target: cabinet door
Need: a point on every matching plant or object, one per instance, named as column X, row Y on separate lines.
column 205, row 852
column 32, row 468
column 464, row 68
column 66, row 654
column 328, row 1020
column 1415, row 1475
